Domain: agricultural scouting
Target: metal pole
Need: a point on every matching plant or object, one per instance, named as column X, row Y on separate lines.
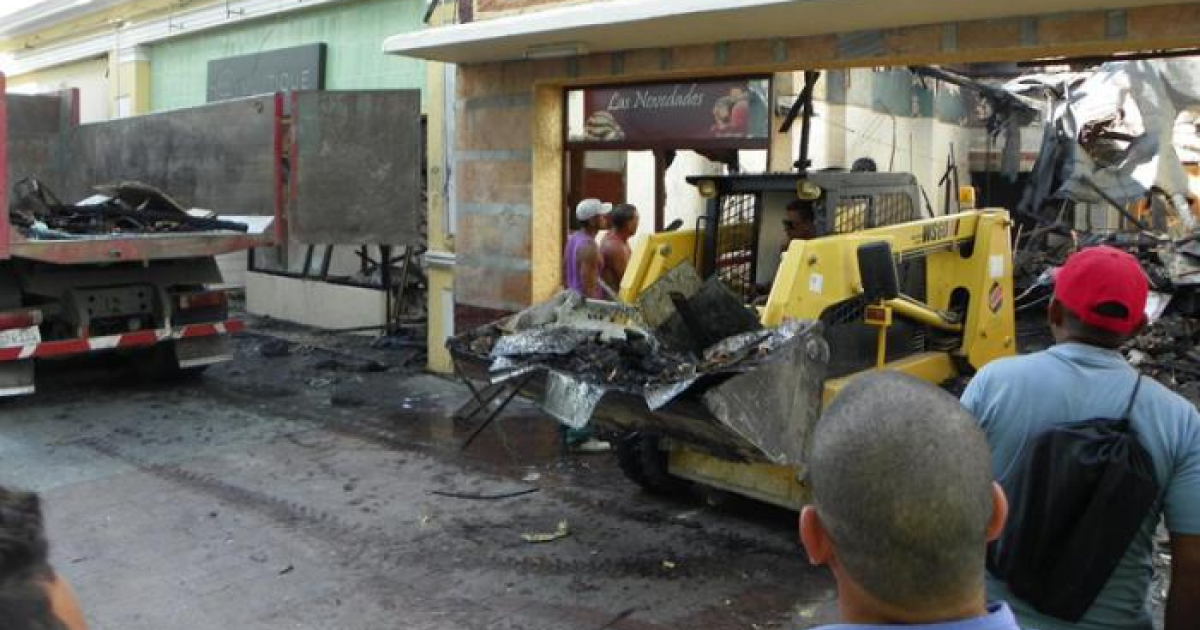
column 810, row 82
column 385, row 278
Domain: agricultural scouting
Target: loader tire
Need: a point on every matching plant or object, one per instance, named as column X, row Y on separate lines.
column 645, row 464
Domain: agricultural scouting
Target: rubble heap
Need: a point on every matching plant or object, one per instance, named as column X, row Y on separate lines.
column 617, row 346
column 631, row 361
column 1167, row 351
column 1167, row 348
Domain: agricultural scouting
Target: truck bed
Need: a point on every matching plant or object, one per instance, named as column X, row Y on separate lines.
column 125, row 247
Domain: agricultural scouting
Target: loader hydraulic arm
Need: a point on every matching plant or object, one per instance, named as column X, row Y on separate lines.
column 968, row 282
column 968, row 276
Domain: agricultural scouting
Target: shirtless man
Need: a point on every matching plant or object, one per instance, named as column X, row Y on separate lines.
column 614, row 249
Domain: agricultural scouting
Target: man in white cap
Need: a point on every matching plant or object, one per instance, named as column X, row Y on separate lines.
column 582, row 260
column 583, row 267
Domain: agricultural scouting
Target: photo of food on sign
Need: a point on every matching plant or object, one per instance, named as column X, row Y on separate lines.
column 602, row 125
column 727, row 109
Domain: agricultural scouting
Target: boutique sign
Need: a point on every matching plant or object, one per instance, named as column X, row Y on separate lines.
column 726, row 111
column 282, row 70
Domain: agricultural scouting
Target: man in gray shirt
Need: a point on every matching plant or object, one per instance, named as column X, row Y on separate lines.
column 1099, row 299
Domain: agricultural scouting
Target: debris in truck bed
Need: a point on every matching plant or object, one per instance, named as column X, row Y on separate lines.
column 121, row 208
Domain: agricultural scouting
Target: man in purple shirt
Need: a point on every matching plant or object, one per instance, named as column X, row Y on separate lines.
column 582, row 263
column 583, row 267
column 903, row 508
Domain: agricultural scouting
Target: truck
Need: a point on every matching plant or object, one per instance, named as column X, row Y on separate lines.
column 134, row 271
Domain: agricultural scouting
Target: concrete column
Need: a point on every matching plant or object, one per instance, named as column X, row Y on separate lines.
column 439, row 120
column 548, row 209
column 779, row 155
column 131, row 88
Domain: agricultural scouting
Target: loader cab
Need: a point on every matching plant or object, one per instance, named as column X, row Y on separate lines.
column 742, row 240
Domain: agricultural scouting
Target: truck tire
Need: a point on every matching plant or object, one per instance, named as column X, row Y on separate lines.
column 645, row 464
column 10, row 290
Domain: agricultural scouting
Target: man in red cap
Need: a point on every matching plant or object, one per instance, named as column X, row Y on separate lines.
column 1099, row 299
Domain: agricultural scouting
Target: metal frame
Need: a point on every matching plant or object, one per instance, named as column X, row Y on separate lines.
column 482, row 399
column 286, row 149
column 395, row 305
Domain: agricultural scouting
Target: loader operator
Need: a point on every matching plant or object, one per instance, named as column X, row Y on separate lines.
column 1099, row 298
column 799, row 222
column 903, row 507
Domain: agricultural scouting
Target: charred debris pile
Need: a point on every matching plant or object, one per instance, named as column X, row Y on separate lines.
column 1167, row 348
column 121, row 208
column 629, row 348
column 1111, row 171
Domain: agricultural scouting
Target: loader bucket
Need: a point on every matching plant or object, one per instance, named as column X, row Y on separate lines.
column 759, row 408
column 774, row 405
column 754, row 395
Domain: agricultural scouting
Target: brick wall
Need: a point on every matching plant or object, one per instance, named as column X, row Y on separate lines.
column 495, row 140
column 492, row 175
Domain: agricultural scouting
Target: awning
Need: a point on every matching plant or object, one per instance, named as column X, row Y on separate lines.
column 633, row 24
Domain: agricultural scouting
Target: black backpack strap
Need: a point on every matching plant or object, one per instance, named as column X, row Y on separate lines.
column 1132, row 397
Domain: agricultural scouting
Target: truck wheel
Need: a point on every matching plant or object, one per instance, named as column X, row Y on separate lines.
column 646, row 465
column 10, row 290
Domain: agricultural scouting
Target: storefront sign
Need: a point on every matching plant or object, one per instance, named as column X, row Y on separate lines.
column 676, row 113
column 282, row 70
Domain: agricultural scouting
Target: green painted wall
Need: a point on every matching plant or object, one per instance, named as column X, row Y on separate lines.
column 353, row 34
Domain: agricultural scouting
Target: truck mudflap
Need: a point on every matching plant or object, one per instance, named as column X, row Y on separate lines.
column 32, row 349
column 752, row 396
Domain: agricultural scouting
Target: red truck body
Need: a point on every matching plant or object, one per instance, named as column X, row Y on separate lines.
column 308, row 168
column 140, row 293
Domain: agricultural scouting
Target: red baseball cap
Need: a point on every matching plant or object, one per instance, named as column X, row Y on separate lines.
column 1104, row 287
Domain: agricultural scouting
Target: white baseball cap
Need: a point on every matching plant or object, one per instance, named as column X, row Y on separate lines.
column 589, row 208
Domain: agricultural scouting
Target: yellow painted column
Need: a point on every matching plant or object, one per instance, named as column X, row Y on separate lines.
column 546, row 254
column 439, row 101
column 131, row 89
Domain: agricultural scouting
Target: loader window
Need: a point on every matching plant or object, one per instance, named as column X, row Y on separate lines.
column 893, row 208
column 736, row 246
column 862, row 212
column 853, row 214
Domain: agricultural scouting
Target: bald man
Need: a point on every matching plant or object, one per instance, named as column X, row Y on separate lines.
column 32, row 595
column 903, row 507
